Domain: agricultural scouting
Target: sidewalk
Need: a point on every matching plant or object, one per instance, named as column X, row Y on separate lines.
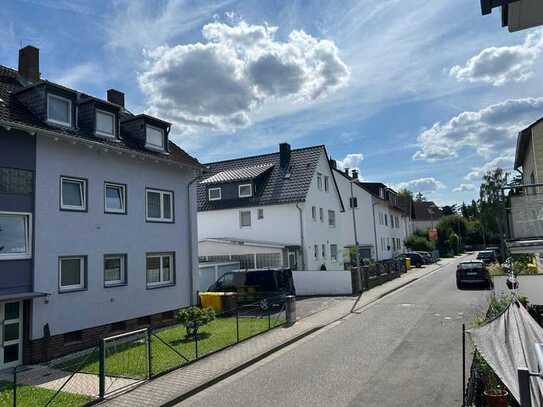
column 183, row 382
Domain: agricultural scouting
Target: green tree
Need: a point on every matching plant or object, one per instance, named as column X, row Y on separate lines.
column 449, row 210
column 418, row 243
column 405, row 193
column 491, row 204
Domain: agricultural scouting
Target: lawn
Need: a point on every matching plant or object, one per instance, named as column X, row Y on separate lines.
column 130, row 359
column 28, row 396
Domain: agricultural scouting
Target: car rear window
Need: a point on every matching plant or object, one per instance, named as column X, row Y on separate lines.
column 470, row 266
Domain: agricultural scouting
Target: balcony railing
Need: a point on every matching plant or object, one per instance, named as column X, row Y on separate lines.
column 525, row 212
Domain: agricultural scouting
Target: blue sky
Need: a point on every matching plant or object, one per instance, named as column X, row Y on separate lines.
column 414, row 93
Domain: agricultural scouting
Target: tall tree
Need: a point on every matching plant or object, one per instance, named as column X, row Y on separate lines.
column 449, row 210
column 491, row 203
column 420, row 197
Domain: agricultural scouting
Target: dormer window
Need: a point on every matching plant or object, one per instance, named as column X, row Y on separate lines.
column 105, row 123
column 59, row 110
column 214, row 194
column 245, row 191
column 154, row 137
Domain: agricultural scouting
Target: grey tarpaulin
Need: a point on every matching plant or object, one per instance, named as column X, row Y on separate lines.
column 507, row 343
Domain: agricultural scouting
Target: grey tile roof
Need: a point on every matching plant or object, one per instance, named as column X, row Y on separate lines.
column 275, row 188
column 238, row 174
column 13, row 111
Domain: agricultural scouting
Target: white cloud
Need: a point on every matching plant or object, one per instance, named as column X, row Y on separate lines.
column 78, row 75
column 499, row 65
column 488, row 130
column 476, row 173
column 351, row 161
column 236, row 70
column 464, row 188
column 428, row 184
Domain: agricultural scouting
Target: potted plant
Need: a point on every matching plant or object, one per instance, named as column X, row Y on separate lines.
column 495, row 394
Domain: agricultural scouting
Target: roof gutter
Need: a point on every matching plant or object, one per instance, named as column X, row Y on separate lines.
column 91, row 144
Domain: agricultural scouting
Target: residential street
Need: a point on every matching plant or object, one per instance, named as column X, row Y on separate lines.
column 404, row 350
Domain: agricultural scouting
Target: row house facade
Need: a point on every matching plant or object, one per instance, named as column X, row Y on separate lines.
column 97, row 215
column 292, row 208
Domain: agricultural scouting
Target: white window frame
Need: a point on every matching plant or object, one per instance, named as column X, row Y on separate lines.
column 333, row 257
column 241, row 225
column 162, row 281
column 321, row 215
column 122, row 281
column 260, row 213
column 326, row 183
column 28, row 237
column 316, row 251
column 123, row 198
column 245, row 195
column 83, row 192
column 214, row 189
column 330, row 224
column 314, row 213
column 323, row 248
column 82, row 272
column 49, row 120
column 162, row 194
column 319, row 181
column 151, row 145
column 101, row 133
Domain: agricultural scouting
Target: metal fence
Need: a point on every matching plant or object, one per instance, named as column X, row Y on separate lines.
column 122, row 361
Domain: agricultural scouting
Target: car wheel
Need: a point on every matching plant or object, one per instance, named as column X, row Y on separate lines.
column 459, row 284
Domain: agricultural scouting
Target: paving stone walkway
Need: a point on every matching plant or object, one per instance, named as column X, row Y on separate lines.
column 174, row 385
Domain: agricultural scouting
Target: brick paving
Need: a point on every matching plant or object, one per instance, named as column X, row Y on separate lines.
column 173, row 385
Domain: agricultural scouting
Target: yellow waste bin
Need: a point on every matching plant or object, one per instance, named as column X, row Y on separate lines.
column 211, row 300
column 407, row 263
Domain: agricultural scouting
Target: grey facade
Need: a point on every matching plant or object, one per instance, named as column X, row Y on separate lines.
column 16, row 160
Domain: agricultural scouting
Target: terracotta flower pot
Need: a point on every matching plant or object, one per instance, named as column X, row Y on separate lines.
column 496, row 398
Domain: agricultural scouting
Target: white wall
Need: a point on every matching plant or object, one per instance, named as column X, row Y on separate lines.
column 215, row 248
column 281, row 224
column 94, row 234
column 322, row 282
column 317, row 232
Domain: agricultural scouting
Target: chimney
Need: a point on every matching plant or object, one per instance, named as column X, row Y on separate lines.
column 29, row 63
column 354, row 174
column 284, row 154
column 115, row 97
column 346, row 171
column 333, row 164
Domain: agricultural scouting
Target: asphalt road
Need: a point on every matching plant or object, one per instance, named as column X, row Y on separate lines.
column 404, row 350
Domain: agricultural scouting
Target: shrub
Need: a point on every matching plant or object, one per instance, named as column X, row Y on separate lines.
column 193, row 318
column 418, row 243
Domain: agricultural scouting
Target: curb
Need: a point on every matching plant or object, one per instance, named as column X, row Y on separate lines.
column 239, row 368
column 283, row 345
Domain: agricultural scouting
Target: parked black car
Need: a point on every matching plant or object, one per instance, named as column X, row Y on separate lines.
column 472, row 272
column 416, row 259
column 487, row 256
column 256, row 285
column 427, row 257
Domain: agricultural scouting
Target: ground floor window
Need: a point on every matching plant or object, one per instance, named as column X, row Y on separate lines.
column 114, row 269
column 160, row 269
column 333, row 252
column 72, row 273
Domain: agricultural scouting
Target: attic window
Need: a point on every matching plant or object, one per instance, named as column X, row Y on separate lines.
column 214, row 194
column 105, row 123
column 59, row 110
column 245, row 191
column 154, row 137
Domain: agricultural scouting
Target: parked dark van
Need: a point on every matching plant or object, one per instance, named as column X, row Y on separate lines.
column 487, row 256
column 256, row 285
column 472, row 272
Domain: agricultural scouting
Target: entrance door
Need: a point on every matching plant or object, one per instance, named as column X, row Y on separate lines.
column 11, row 333
column 293, row 260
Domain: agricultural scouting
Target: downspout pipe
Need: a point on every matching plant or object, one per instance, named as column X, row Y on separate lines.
column 375, row 230
column 302, row 243
column 191, row 238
